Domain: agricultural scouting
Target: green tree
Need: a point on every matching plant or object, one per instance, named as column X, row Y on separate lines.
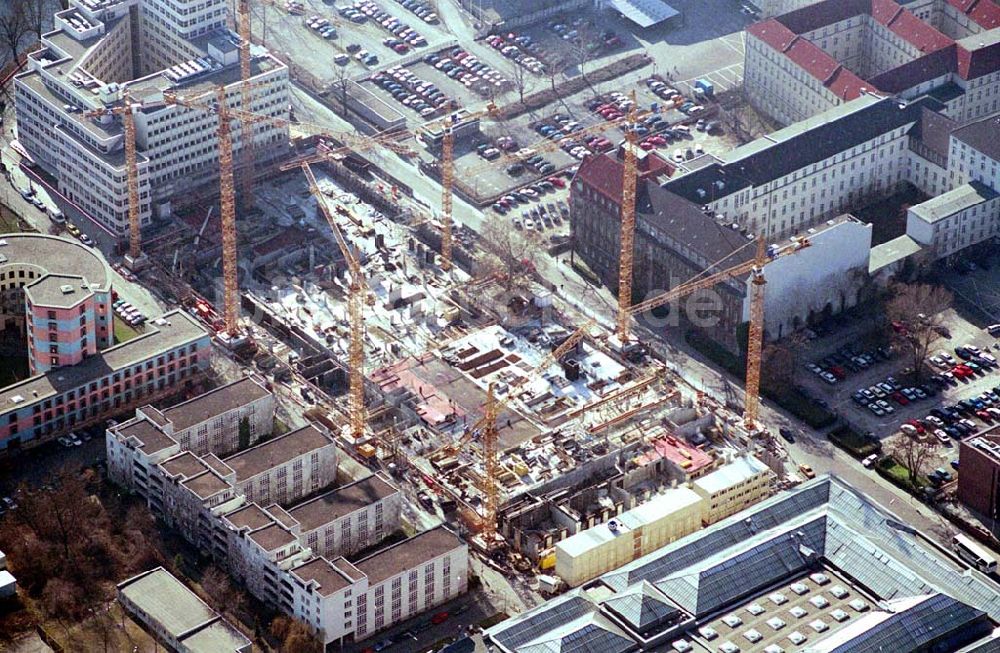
column 244, row 433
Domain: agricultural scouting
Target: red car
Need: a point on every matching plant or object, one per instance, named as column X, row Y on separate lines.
column 557, row 182
column 983, row 415
column 899, row 398
column 917, row 425
column 439, row 618
column 962, row 372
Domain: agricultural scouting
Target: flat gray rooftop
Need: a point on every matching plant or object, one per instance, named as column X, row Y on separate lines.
column 333, row 505
column 215, row 402
column 167, row 601
column 56, row 256
column 58, row 290
column 178, row 329
column 278, row 451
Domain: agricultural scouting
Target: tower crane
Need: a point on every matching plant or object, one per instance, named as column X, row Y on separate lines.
column 755, row 268
column 355, row 316
column 246, row 128
column 448, row 175
column 487, row 427
column 131, row 173
column 627, row 234
column 227, row 198
column 227, row 190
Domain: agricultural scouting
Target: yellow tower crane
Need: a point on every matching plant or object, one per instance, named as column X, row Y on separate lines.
column 755, row 268
column 630, row 175
column 447, row 126
column 355, row 316
column 486, row 426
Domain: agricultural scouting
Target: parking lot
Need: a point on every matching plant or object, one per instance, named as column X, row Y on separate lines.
column 958, row 394
column 557, row 138
column 290, row 36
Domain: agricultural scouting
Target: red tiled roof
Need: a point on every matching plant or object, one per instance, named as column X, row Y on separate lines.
column 772, row 32
column 904, row 24
column 811, row 58
column 846, row 85
column 603, row 173
column 985, row 13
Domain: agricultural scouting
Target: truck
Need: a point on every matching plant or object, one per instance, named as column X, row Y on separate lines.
column 705, row 86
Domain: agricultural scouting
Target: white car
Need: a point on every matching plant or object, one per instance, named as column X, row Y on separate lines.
column 870, row 460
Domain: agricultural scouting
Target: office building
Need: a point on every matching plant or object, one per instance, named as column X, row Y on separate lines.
column 99, row 52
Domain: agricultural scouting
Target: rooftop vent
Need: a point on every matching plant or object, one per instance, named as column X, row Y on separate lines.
column 66, row 289
column 17, row 399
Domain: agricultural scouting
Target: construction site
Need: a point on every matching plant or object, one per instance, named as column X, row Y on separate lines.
column 512, row 414
column 433, row 352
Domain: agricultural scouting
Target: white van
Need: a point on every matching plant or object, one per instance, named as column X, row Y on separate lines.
column 56, row 215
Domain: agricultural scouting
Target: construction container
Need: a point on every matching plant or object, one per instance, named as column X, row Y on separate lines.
column 366, row 450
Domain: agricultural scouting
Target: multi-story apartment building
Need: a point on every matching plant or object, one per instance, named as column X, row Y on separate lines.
column 286, row 468
column 348, row 519
column 171, row 352
column 345, row 601
column 291, row 558
column 209, row 423
column 827, row 53
column 100, row 52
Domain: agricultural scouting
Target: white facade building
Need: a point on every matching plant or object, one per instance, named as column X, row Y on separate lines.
column 828, row 277
column 209, row 423
column 349, row 519
column 96, row 53
column 733, row 487
column 634, row 533
column 823, row 54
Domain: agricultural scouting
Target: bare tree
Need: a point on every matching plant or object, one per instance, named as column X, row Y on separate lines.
column 341, row 79
column 780, row 360
column 520, row 79
column 294, row 636
column 555, row 68
column 508, row 251
column 915, row 312
column 912, row 452
column 14, row 26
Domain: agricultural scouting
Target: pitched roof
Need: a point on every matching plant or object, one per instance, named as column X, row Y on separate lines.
column 985, row 13
column 981, row 135
column 642, row 607
column 904, row 24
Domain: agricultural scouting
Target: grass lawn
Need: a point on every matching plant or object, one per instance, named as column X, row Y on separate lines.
column 8, row 221
column 123, row 332
column 13, row 369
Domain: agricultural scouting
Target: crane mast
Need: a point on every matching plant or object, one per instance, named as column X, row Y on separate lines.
column 447, row 181
column 755, row 338
column 132, row 174
column 491, row 464
column 627, row 234
column 227, row 198
column 355, row 316
column 246, row 128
